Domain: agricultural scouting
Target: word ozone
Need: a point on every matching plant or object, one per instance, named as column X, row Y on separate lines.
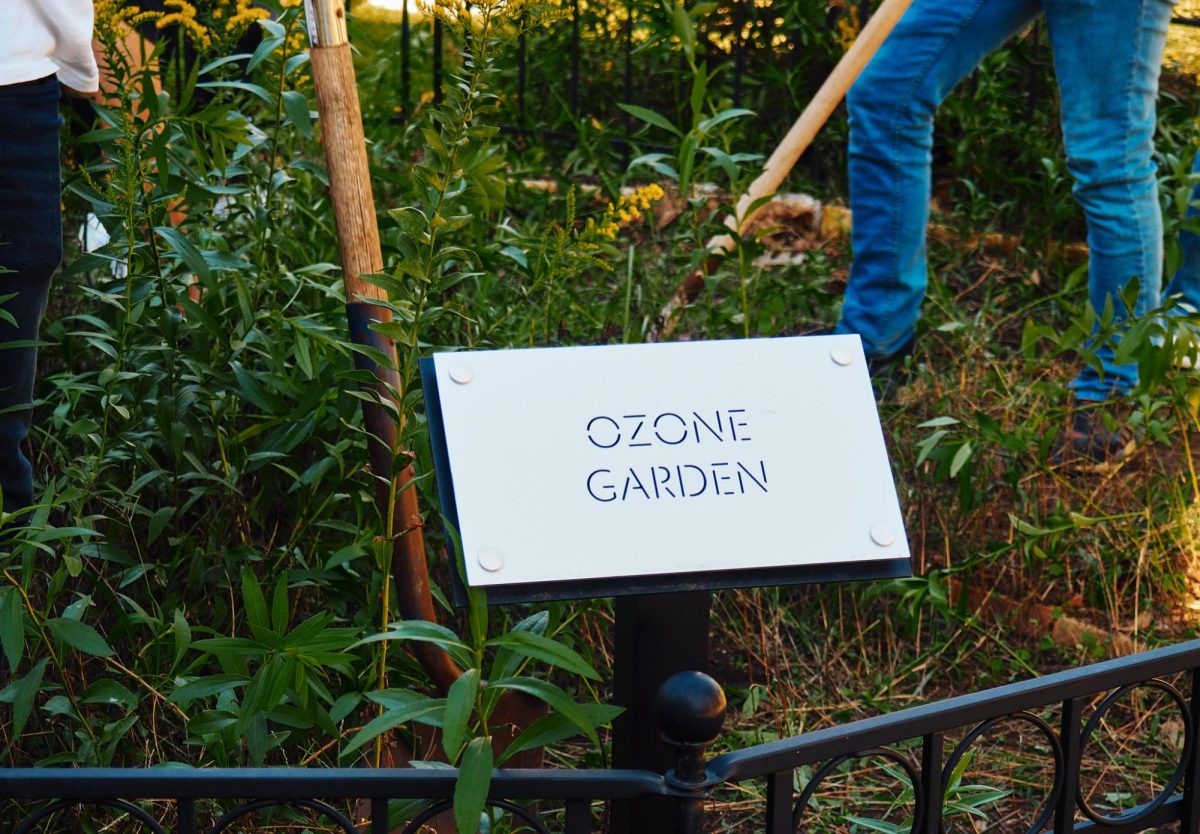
column 667, row 428
column 658, row 481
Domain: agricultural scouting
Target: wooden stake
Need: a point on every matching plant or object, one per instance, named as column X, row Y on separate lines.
column 358, row 240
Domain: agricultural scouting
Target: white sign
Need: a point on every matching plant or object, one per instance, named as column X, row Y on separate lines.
column 584, row 463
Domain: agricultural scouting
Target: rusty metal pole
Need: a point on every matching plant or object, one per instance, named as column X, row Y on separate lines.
column 358, row 239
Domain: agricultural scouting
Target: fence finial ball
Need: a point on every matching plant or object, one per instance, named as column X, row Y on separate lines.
column 690, row 708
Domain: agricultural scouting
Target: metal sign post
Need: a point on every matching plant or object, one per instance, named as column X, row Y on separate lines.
column 657, row 635
column 657, row 474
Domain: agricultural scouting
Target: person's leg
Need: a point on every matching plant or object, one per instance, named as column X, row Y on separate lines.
column 1185, row 283
column 892, row 105
column 1107, row 55
column 30, row 251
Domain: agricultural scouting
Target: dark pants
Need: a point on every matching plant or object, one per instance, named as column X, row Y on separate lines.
column 30, row 252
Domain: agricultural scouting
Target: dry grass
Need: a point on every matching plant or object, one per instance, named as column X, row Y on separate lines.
column 1112, row 565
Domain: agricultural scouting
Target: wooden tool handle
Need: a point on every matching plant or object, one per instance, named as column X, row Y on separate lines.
column 815, row 115
column 349, row 175
column 358, row 239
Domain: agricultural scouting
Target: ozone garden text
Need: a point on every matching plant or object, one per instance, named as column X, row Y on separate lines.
column 658, row 481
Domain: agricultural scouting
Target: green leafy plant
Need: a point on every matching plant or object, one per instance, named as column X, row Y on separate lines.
column 492, row 667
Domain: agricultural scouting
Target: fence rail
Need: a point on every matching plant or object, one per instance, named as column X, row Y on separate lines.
column 565, row 798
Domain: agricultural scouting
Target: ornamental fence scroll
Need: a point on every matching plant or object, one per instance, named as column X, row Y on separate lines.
column 566, row 800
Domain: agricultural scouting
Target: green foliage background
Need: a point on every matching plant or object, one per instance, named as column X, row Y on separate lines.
column 205, row 579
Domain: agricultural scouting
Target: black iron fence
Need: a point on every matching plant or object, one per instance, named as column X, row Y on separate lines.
column 1078, row 702
column 745, row 35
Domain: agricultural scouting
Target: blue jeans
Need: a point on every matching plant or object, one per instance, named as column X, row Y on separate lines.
column 1107, row 55
column 30, row 251
column 1185, row 283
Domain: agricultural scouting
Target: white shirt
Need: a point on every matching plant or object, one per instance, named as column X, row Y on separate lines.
column 47, row 37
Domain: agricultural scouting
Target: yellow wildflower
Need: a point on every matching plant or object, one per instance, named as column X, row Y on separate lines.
column 113, row 17
column 244, row 15
column 847, row 27
column 185, row 19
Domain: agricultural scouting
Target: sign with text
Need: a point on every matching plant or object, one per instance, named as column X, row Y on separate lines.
column 586, row 471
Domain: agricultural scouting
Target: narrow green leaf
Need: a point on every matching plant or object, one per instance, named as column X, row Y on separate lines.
column 249, row 387
column 253, row 89
column 280, row 616
column 296, row 107
column 210, row 721
column 269, row 44
column 344, row 705
column 478, row 612
column 725, row 115
column 197, row 313
column 254, row 605
column 204, row 687
column 79, row 636
column 426, row 632
column 554, row 727
column 555, row 698
column 938, row 422
column 960, row 459
column 12, row 626
column 25, row 692
column 108, row 691
column 391, row 719
column 650, row 117
column 186, row 250
column 536, row 646
column 460, row 704
column 474, row 781
column 158, row 523
column 183, row 635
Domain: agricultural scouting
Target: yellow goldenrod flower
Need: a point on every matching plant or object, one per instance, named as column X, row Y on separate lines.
column 185, row 19
column 113, row 17
column 244, row 15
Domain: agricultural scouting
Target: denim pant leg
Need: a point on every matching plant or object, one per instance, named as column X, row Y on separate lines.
column 1108, row 55
column 1185, row 283
column 892, row 105
column 30, row 251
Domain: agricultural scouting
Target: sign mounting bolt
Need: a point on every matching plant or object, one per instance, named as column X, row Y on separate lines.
column 491, row 559
column 462, row 374
column 841, row 356
column 883, row 535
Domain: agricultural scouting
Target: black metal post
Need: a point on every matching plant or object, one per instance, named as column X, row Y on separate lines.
column 405, row 58
column 627, row 82
column 739, row 51
column 929, row 818
column 185, row 809
column 521, row 62
column 437, row 60
column 656, row 636
column 779, row 802
column 379, row 816
column 690, row 708
column 575, row 47
column 1069, row 738
column 1189, row 822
